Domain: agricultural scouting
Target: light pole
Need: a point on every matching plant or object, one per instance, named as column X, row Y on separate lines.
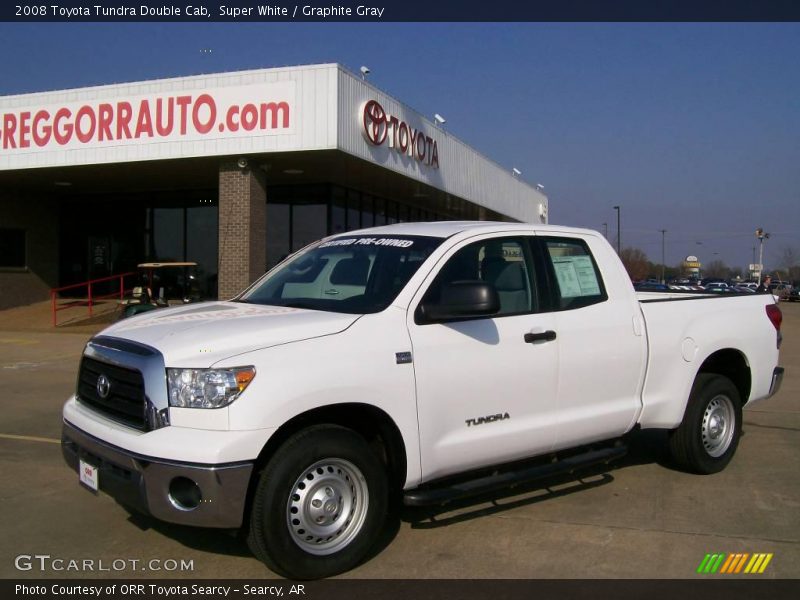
column 699, row 272
column 619, row 234
column 761, row 237
column 605, row 230
column 663, row 237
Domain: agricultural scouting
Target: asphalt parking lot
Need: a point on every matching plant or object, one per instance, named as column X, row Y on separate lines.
column 639, row 519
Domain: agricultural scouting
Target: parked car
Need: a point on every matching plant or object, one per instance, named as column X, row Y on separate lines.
column 718, row 287
column 417, row 362
column 780, row 290
column 650, row 286
column 705, row 282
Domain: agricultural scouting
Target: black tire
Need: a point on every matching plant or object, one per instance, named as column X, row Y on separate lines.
column 706, row 440
column 346, row 488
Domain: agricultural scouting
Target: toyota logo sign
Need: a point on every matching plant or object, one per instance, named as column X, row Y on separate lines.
column 375, row 122
column 103, row 386
column 379, row 126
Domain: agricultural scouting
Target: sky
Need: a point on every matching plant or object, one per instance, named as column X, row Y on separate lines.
column 693, row 128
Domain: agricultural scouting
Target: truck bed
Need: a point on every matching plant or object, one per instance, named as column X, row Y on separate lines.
column 685, row 328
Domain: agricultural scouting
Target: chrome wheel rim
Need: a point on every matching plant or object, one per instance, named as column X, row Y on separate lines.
column 719, row 421
column 327, row 506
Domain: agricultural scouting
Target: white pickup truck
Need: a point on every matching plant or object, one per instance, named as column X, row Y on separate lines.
column 416, row 361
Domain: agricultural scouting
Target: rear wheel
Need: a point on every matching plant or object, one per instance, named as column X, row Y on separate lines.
column 707, row 438
column 319, row 505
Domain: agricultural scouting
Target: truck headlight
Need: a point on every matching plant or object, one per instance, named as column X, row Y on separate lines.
column 207, row 388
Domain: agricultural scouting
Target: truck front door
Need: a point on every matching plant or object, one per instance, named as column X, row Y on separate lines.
column 486, row 387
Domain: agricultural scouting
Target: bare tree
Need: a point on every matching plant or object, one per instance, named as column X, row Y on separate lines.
column 716, row 268
column 636, row 263
column 789, row 261
column 788, row 257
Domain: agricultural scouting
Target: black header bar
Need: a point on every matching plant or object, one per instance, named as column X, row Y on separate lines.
column 405, row 11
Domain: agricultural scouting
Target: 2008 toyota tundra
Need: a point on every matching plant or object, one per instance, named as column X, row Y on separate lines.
column 421, row 361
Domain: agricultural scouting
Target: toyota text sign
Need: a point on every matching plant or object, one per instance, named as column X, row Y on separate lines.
column 381, row 127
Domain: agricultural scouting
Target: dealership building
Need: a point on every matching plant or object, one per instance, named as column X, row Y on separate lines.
column 233, row 171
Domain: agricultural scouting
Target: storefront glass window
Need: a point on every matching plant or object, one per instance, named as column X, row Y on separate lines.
column 367, row 211
column 353, row 210
column 338, row 211
column 380, row 211
column 12, row 248
column 277, row 232
column 168, row 234
column 309, row 223
column 202, row 231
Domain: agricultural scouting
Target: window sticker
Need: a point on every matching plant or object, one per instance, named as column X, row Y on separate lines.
column 576, row 276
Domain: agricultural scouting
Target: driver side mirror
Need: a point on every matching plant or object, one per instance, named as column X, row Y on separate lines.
column 462, row 300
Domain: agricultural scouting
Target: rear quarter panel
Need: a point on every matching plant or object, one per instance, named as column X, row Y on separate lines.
column 683, row 333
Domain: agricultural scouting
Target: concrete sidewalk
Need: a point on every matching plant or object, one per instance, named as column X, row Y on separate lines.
column 73, row 316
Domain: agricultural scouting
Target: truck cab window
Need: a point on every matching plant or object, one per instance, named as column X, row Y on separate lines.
column 577, row 280
column 503, row 262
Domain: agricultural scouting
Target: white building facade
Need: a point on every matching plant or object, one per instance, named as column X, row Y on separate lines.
column 231, row 170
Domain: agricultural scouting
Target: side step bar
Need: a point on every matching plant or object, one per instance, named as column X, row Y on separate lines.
column 427, row 496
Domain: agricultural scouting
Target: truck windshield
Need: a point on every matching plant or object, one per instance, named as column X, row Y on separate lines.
column 358, row 274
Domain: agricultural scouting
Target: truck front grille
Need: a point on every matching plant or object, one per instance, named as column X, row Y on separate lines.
column 125, row 399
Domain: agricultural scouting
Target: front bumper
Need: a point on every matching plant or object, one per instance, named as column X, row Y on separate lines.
column 149, row 485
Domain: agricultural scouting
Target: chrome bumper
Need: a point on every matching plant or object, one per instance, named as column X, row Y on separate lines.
column 184, row 493
column 777, row 380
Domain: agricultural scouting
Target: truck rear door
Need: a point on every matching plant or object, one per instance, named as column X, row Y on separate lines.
column 602, row 349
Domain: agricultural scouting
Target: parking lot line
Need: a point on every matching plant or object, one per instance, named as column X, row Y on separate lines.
column 28, row 438
column 18, row 341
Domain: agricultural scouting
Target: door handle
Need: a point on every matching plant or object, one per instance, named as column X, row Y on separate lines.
column 546, row 336
column 331, row 292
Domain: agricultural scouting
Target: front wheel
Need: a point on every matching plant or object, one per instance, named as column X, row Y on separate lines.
column 706, row 440
column 319, row 505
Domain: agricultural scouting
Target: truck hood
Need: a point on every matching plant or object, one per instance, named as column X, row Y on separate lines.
column 199, row 335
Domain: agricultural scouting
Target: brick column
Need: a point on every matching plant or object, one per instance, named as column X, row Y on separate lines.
column 242, row 227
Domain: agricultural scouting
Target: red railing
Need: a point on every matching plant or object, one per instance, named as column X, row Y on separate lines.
column 91, row 297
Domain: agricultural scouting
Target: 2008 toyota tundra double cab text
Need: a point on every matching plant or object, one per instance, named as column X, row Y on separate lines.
column 415, row 361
